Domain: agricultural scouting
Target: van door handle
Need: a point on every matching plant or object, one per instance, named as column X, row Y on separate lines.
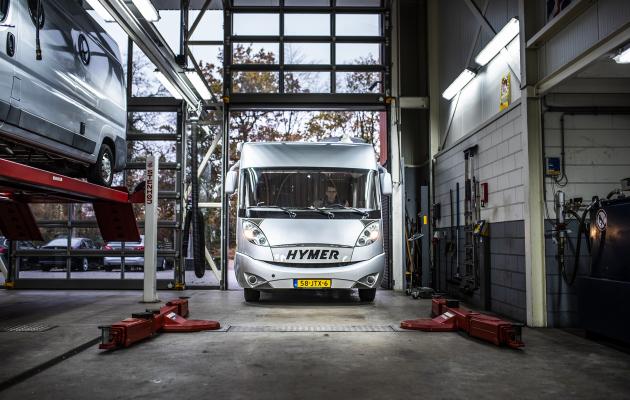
column 10, row 44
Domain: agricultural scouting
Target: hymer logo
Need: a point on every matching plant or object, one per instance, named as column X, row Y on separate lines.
column 313, row 255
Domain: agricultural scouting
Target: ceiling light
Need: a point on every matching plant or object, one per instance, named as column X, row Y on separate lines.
column 147, row 10
column 199, row 84
column 458, row 84
column 498, row 42
column 623, row 57
column 100, row 10
column 168, row 85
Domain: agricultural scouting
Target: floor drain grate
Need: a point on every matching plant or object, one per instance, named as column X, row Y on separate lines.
column 34, row 327
column 312, row 328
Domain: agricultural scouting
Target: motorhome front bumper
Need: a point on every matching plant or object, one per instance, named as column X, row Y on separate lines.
column 272, row 276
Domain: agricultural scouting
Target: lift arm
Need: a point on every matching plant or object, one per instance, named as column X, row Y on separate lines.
column 22, row 184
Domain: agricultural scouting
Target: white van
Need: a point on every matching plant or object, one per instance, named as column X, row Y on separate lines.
column 309, row 217
column 66, row 112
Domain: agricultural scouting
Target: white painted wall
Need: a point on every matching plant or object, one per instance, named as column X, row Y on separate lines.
column 499, row 163
column 597, row 151
column 600, row 20
column 479, row 100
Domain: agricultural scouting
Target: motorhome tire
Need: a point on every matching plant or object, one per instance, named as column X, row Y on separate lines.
column 251, row 295
column 367, row 295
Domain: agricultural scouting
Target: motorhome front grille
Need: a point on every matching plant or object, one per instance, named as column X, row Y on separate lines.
column 314, row 265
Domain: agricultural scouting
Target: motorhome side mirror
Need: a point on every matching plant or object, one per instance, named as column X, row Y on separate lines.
column 230, row 182
column 386, row 183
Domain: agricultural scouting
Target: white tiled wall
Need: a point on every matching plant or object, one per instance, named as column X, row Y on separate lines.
column 499, row 162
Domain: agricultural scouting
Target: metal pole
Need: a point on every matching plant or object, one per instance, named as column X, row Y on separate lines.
column 225, row 203
column 182, row 58
column 182, row 145
column 225, row 145
column 150, row 230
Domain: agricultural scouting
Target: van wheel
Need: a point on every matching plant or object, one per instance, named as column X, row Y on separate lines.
column 251, row 295
column 367, row 295
column 102, row 172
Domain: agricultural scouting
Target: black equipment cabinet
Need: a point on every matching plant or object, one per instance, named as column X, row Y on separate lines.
column 604, row 297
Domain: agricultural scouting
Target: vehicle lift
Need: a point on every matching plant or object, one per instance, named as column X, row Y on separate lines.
column 21, row 184
column 448, row 316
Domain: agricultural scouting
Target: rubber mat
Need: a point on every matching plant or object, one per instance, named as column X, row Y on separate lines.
column 34, row 327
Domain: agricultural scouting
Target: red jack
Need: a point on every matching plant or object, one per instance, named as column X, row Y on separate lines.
column 450, row 317
column 170, row 318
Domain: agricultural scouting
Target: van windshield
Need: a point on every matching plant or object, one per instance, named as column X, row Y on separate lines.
column 307, row 189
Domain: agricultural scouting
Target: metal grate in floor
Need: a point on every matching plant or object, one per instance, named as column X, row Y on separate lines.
column 312, row 328
column 34, row 327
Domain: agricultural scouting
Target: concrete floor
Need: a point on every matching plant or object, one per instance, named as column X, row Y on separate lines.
column 274, row 365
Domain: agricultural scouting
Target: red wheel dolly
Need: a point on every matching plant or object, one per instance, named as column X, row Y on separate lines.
column 450, row 317
column 169, row 318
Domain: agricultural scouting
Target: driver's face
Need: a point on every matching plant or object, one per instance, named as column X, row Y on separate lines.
column 331, row 194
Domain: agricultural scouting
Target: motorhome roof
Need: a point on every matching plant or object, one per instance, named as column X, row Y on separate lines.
column 318, row 155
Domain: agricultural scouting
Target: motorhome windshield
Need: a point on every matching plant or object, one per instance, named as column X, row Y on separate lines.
column 340, row 192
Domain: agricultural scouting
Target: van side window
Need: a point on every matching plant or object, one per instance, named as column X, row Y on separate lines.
column 4, row 8
column 32, row 10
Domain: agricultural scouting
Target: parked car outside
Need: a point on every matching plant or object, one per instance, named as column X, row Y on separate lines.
column 66, row 111
column 78, row 263
column 25, row 262
column 131, row 262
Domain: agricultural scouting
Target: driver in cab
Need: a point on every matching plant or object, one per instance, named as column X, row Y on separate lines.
column 330, row 199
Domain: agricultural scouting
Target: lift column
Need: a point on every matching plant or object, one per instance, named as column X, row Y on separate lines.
column 150, row 230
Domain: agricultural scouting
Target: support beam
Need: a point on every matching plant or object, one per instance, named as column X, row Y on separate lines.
column 480, row 15
column 147, row 37
column 434, row 100
column 558, row 23
column 535, row 277
column 603, row 47
column 398, row 192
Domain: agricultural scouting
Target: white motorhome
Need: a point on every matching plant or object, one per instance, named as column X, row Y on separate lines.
column 309, row 217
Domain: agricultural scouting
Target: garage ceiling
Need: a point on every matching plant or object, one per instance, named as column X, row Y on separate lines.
column 194, row 4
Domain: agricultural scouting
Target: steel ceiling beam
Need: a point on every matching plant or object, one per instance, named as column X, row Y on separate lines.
column 150, row 41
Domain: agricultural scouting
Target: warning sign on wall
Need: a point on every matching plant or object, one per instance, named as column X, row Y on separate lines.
column 506, row 92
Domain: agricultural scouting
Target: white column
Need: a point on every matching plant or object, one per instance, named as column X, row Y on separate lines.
column 398, row 189
column 535, row 277
column 150, row 230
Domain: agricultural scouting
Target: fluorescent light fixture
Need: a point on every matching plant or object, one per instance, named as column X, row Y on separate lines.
column 199, row 84
column 623, row 57
column 100, row 10
column 458, row 84
column 168, row 85
column 147, row 10
column 498, row 42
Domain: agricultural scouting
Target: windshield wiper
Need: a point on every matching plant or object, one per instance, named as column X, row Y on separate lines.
column 322, row 211
column 291, row 213
column 356, row 210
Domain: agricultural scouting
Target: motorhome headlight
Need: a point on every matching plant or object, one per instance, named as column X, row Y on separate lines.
column 369, row 234
column 254, row 234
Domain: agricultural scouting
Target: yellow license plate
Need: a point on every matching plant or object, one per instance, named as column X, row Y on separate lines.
column 311, row 283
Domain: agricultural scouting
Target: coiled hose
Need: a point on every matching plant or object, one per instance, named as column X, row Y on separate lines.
column 578, row 247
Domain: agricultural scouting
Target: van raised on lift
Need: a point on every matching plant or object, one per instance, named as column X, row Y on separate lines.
column 309, row 217
column 65, row 112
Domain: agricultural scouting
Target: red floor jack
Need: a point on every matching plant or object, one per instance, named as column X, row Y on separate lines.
column 169, row 318
column 450, row 317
